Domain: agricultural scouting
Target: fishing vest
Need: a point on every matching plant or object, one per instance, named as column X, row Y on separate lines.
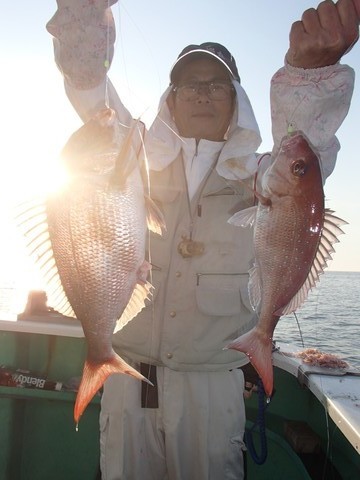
column 200, row 297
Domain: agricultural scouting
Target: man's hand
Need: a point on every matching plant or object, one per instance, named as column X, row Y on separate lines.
column 324, row 34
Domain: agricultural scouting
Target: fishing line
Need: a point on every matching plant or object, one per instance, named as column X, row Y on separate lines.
column 299, row 328
column 107, row 59
column 149, row 248
column 119, row 35
column 125, row 78
column 145, row 40
column 171, row 129
column 147, row 187
column 292, row 127
column 326, row 413
column 147, row 43
column 322, row 389
column 146, row 160
column 307, row 376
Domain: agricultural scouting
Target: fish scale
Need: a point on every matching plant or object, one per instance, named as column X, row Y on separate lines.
column 293, row 238
column 96, row 232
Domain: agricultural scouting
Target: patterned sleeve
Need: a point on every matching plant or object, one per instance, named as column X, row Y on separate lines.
column 84, row 36
column 315, row 101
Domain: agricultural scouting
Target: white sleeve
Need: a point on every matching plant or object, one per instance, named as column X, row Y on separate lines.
column 315, row 101
column 88, row 102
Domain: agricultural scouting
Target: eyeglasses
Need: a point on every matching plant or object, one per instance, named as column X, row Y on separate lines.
column 214, row 90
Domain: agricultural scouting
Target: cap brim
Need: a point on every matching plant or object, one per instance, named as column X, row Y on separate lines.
column 189, row 56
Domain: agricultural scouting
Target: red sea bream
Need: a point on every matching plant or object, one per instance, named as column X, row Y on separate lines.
column 97, row 226
column 293, row 238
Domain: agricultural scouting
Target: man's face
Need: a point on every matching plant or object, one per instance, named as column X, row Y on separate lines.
column 202, row 117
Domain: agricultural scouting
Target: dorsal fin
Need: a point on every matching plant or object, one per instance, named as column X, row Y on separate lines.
column 31, row 220
column 329, row 235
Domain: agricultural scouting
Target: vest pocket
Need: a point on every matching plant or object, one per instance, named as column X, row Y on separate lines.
column 222, row 294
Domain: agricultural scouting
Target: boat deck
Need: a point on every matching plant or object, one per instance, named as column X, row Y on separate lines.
column 337, row 389
column 39, row 439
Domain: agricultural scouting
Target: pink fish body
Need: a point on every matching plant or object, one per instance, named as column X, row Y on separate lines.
column 293, row 237
column 97, row 226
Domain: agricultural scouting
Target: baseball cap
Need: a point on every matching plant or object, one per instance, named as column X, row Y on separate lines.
column 215, row 50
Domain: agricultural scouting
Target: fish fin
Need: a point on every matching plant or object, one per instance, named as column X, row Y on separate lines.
column 254, row 287
column 126, row 160
column 329, row 235
column 136, row 303
column 31, row 220
column 258, row 347
column 154, row 217
column 94, row 376
column 244, row 218
column 265, row 201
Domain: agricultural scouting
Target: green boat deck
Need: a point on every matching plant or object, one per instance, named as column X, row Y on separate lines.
column 38, row 438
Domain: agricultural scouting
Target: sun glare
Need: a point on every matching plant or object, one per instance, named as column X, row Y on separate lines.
column 35, row 128
column 31, row 175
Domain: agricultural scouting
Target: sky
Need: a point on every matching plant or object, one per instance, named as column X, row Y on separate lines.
column 37, row 118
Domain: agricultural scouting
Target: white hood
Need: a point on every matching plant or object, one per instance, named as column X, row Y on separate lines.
column 237, row 158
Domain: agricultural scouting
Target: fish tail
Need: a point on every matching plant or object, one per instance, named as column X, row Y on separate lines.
column 94, row 376
column 258, row 348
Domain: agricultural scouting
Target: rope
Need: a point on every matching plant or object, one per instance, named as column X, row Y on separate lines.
column 260, row 458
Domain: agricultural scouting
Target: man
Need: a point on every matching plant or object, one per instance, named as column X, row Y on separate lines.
column 203, row 140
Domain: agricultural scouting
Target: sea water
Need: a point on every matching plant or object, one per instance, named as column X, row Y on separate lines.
column 329, row 319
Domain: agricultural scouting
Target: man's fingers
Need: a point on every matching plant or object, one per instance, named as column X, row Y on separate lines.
column 310, row 20
column 324, row 34
column 349, row 15
column 328, row 16
column 356, row 4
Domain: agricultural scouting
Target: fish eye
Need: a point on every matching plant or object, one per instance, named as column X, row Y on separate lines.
column 298, row 167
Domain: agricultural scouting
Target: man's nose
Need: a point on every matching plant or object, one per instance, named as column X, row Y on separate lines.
column 203, row 93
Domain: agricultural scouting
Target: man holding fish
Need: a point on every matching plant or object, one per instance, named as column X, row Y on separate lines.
column 190, row 424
